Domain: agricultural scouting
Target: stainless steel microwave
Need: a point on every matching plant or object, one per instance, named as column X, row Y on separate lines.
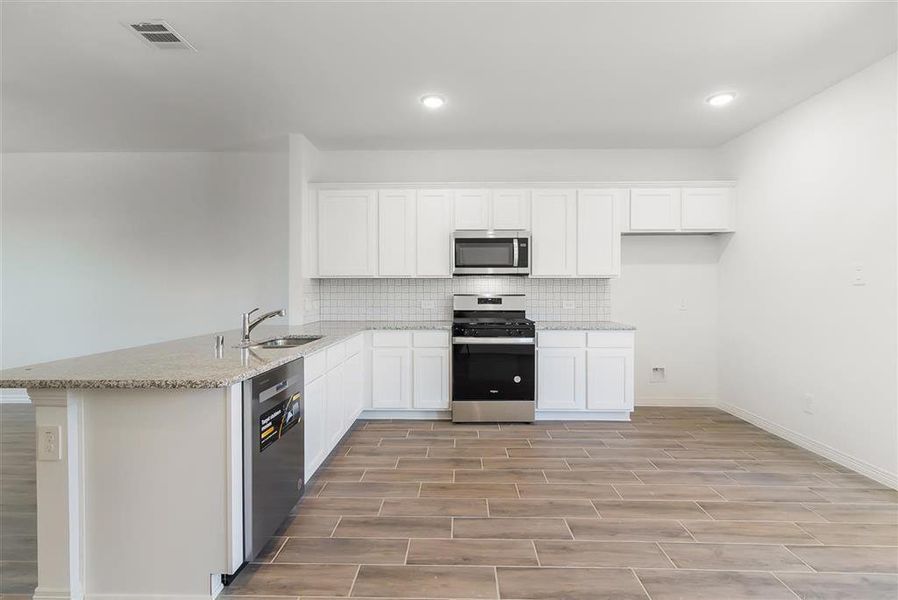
column 483, row 252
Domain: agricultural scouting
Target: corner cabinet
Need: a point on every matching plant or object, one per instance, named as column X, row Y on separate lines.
column 347, row 233
column 585, row 374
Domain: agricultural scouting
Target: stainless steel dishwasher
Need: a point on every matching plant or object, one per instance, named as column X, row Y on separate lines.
column 273, row 452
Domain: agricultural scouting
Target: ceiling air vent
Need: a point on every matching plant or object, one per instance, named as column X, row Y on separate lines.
column 160, row 34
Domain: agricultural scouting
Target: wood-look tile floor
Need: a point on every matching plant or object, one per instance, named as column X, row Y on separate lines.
column 678, row 503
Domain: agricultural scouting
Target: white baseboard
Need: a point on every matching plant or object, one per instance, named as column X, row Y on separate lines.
column 399, row 413
column 681, row 402
column 14, row 396
column 837, row 456
column 583, row 415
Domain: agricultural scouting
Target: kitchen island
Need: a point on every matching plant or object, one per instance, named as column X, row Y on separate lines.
column 140, row 474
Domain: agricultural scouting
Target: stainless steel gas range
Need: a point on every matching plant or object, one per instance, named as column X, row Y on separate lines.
column 493, row 359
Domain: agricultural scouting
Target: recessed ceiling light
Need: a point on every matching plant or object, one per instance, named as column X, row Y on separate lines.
column 433, row 101
column 720, row 98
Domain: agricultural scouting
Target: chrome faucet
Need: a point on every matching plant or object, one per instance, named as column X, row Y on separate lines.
column 250, row 324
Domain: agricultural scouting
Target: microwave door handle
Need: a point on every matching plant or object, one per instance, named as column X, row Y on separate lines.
column 514, row 246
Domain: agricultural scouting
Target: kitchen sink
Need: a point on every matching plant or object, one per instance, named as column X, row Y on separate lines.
column 288, row 341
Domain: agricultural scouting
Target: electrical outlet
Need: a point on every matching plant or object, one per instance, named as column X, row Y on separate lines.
column 658, row 375
column 48, row 442
column 683, row 304
column 858, row 278
column 809, row 404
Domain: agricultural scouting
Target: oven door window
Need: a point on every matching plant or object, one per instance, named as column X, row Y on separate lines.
column 493, row 372
column 495, row 253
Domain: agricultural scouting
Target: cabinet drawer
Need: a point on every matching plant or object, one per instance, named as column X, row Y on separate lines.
column 431, row 339
column 314, row 366
column 354, row 345
column 561, row 339
column 610, row 339
column 335, row 355
column 392, row 339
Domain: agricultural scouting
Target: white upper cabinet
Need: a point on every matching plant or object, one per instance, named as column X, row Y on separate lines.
column 347, row 233
column 598, row 232
column 434, row 234
column 472, row 209
column 554, row 243
column 396, row 225
column 707, row 209
column 510, row 209
column 654, row 209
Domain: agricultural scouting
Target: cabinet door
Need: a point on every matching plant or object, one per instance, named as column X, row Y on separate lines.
column 707, row 209
column 333, row 409
column 554, row 233
column 431, row 378
column 347, row 231
column 353, row 372
column 510, row 209
column 654, row 209
column 598, row 232
column 396, row 233
column 472, row 209
column 562, row 378
column 314, row 425
column 434, row 243
column 609, row 379
column 391, row 378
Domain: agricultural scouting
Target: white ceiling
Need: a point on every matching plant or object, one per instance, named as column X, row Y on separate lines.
column 349, row 75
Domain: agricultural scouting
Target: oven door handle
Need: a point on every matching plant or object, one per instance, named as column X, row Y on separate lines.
column 508, row 341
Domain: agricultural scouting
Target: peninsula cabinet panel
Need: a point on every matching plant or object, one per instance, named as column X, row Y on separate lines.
column 396, row 226
column 707, row 209
column 609, row 379
column 434, row 234
column 334, row 407
column 598, row 232
column 391, row 378
column 562, row 378
column 315, row 447
column 347, row 233
column 472, row 210
column 353, row 388
column 554, row 244
column 654, row 209
column 510, row 209
column 431, row 378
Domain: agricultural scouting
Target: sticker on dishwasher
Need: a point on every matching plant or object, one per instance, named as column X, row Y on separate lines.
column 277, row 421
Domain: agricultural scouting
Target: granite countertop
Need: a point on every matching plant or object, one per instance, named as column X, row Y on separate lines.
column 191, row 362
column 583, row 326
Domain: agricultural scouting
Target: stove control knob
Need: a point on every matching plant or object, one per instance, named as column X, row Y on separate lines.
column 517, row 379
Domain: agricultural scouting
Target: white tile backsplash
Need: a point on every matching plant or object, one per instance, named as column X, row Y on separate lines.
column 431, row 299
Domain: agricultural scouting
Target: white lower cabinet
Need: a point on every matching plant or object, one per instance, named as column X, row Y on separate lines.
column 584, row 371
column 353, row 388
column 562, row 378
column 431, row 378
column 314, row 425
column 391, row 381
column 333, row 406
column 609, row 377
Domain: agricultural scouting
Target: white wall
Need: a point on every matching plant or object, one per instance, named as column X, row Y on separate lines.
column 109, row 250
column 517, row 165
column 668, row 290
column 658, row 272
column 817, row 195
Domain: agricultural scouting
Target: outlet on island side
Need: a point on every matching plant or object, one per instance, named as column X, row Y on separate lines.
column 658, row 375
column 48, row 445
